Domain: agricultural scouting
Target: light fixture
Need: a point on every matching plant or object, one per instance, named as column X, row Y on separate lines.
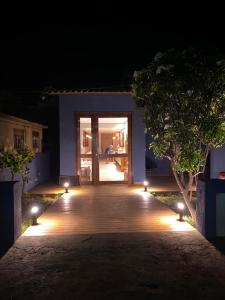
column 181, row 207
column 66, row 185
column 146, row 185
column 119, row 127
column 34, row 212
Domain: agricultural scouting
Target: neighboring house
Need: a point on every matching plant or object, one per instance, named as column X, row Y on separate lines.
column 91, row 122
column 17, row 132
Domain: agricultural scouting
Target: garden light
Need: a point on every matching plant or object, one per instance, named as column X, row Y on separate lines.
column 146, row 185
column 34, row 212
column 66, row 185
column 181, row 207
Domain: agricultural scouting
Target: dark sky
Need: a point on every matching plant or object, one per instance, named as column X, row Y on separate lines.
column 84, row 47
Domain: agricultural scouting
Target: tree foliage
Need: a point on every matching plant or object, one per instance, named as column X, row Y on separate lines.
column 16, row 161
column 183, row 96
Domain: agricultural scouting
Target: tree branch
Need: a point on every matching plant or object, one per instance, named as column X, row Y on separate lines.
column 179, row 182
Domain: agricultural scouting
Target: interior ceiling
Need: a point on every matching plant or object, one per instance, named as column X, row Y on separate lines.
column 104, row 120
column 102, row 129
column 106, row 125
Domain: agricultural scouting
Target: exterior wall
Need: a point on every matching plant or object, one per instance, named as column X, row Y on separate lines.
column 10, row 213
column 156, row 167
column 210, row 208
column 69, row 104
column 9, row 123
column 39, row 171
column 217, row 162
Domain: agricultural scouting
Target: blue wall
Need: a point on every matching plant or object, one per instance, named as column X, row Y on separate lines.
column 70, row 104
column 156, row 167
column 39, row 171
column 217, row 162
column 206, row 206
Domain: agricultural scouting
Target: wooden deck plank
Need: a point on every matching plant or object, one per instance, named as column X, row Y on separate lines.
column 106, row 209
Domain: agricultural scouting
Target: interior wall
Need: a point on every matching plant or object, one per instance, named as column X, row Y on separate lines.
column 106, row 140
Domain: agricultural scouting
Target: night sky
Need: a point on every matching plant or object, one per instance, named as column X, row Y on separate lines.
column 86, row 47
column 83, row 47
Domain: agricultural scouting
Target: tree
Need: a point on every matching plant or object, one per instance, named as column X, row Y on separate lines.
column 16, row 161
column 183, row 97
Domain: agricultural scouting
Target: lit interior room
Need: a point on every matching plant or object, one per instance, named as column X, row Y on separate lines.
column 112, row 149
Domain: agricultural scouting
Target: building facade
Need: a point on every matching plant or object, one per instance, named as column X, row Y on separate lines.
column 17, row 132
column 102, row 138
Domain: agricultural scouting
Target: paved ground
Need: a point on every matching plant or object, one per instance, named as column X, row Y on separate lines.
column 153, row 264
column 162, row 265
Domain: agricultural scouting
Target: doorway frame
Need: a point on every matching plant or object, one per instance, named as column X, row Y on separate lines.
column 94, row 155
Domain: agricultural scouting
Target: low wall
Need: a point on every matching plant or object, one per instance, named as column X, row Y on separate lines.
column 39, row 171
column 210, row 210
column 10, row 213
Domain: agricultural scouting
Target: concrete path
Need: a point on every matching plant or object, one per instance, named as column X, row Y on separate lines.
column 162, row 265
column 161, row 262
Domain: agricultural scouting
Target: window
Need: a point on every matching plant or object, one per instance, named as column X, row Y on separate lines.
column 35, row 140
column 85, row 139
column 19, row 138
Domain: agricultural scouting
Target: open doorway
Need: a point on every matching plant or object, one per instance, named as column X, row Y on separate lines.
column 103, row 148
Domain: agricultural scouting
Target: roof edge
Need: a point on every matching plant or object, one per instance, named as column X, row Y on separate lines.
column 11, row 118
column 83, row 93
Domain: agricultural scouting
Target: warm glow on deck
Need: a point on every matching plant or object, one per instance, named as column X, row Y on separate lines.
column 43, row 226
column 141, row 192
column 66, row 197
column 144, row 195
column 107, row 209
column 174, row 224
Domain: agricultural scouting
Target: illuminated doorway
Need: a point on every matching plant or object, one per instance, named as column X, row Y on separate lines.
column 104, row 148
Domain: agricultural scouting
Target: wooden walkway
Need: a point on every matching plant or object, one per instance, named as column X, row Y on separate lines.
column 106, row 209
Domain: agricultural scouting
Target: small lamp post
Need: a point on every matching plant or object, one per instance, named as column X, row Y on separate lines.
column 146, row 185
column 34, row 212
column 66, row 185
column 181, row 207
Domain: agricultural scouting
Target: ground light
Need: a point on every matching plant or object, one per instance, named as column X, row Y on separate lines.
column 34, row 212
column 181, row 207
column 146, row 185
column 66, row 185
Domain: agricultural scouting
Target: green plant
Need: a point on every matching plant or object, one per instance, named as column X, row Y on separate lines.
column 16, row 161
column 189, row 219
column 183, row 97
column 171, row 199
column 26, row 222
column 41, row 200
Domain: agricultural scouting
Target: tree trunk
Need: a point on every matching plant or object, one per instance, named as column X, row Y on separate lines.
column 189, row 205
column 23, row 186
column 186, row 189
